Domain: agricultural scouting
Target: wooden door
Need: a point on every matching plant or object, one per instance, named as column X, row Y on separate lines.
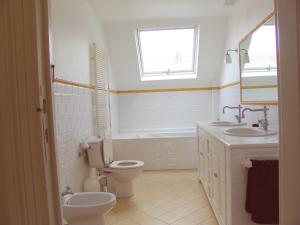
column 25, row 197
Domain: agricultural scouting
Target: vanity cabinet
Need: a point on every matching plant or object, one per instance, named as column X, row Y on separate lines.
column 223, row 175
column 211, row 170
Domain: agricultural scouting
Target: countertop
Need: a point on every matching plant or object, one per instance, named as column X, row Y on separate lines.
column 239, row 142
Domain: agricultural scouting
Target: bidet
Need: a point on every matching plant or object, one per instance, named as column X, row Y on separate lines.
column 88, row 208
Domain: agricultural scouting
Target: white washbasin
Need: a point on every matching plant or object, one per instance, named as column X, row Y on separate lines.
column 225, row 124
column 249, row 132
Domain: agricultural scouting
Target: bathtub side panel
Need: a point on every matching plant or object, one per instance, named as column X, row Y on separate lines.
column 135, row 149
column 158, row 153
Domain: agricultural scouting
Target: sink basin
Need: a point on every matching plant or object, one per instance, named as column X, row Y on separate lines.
column 249, row 132
column 225, row 124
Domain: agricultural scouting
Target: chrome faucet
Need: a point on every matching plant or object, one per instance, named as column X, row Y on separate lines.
column 239, row 116
column 264, row 123
column 67, row 191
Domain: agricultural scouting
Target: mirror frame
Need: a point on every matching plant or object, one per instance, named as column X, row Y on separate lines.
column 241, row 87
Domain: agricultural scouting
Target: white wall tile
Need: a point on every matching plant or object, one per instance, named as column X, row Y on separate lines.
column 231, row 97
column 179, row 110
column 166, row 110
column 114, row 109
column 74, row 113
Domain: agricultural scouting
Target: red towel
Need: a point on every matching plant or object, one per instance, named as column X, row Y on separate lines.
column 263, row 192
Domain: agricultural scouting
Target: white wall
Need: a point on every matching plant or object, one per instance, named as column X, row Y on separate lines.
column 164, row 110
column 247, row 14
column 130, row 10
column 123, row 52
column 142, row 111
column 74, row 26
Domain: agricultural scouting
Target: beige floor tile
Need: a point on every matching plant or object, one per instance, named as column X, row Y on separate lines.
column 169, row 217
column 128, row 213
column 184, row 221
column 137, row 216
column 164, row 198
column 211, row 221
column 168, row 206
column 118, row 207
column 183, row 211
column 143, row 205
column 201, row 215
column 155, row 212
column 153, row 221
column 115, row 219
column 197, row 204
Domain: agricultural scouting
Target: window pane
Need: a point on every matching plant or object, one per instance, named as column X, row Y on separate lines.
column 167, row 50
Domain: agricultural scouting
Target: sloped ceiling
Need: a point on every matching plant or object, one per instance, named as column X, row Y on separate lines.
column 229, row 2
column 126, row 10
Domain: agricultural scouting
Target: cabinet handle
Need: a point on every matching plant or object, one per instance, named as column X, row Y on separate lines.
column 215, row 175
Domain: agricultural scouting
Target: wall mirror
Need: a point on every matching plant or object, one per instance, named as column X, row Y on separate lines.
column 258, row 64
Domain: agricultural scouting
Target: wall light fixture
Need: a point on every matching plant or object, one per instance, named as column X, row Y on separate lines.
column 228, row 58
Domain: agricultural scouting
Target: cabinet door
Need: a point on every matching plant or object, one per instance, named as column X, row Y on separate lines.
column 218, row 186
column 208, row 167
column 201, row 150
column 203, row 159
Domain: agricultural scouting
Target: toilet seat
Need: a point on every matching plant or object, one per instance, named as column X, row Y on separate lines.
column 126, row 164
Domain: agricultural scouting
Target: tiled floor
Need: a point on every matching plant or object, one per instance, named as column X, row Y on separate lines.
column 164, row 197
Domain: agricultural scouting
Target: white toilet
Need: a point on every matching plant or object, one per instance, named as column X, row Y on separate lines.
column 122, row 171
column 87, row 208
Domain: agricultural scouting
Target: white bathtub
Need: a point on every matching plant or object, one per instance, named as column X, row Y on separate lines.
column 159, row 150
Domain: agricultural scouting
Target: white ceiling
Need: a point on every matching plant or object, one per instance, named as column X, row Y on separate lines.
column 125, row 10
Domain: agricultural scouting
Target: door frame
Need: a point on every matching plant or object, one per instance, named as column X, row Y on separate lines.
column 288, row 17
column 46, row 81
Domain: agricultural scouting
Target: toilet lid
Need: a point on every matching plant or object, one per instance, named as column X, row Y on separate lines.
column 126, row 164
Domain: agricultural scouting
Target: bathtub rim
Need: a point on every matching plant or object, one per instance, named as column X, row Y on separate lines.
column 156, row 135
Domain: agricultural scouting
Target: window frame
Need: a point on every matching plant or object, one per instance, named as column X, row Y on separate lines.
column 169, row 75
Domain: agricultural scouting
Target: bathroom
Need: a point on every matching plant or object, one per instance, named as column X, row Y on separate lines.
column 101, row 87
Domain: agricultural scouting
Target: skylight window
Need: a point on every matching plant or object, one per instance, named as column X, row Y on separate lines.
column 168, row 53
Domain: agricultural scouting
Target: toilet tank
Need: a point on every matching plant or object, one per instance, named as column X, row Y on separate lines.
column 95, row 152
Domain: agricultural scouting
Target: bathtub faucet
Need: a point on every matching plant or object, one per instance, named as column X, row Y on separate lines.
column 239, row 116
